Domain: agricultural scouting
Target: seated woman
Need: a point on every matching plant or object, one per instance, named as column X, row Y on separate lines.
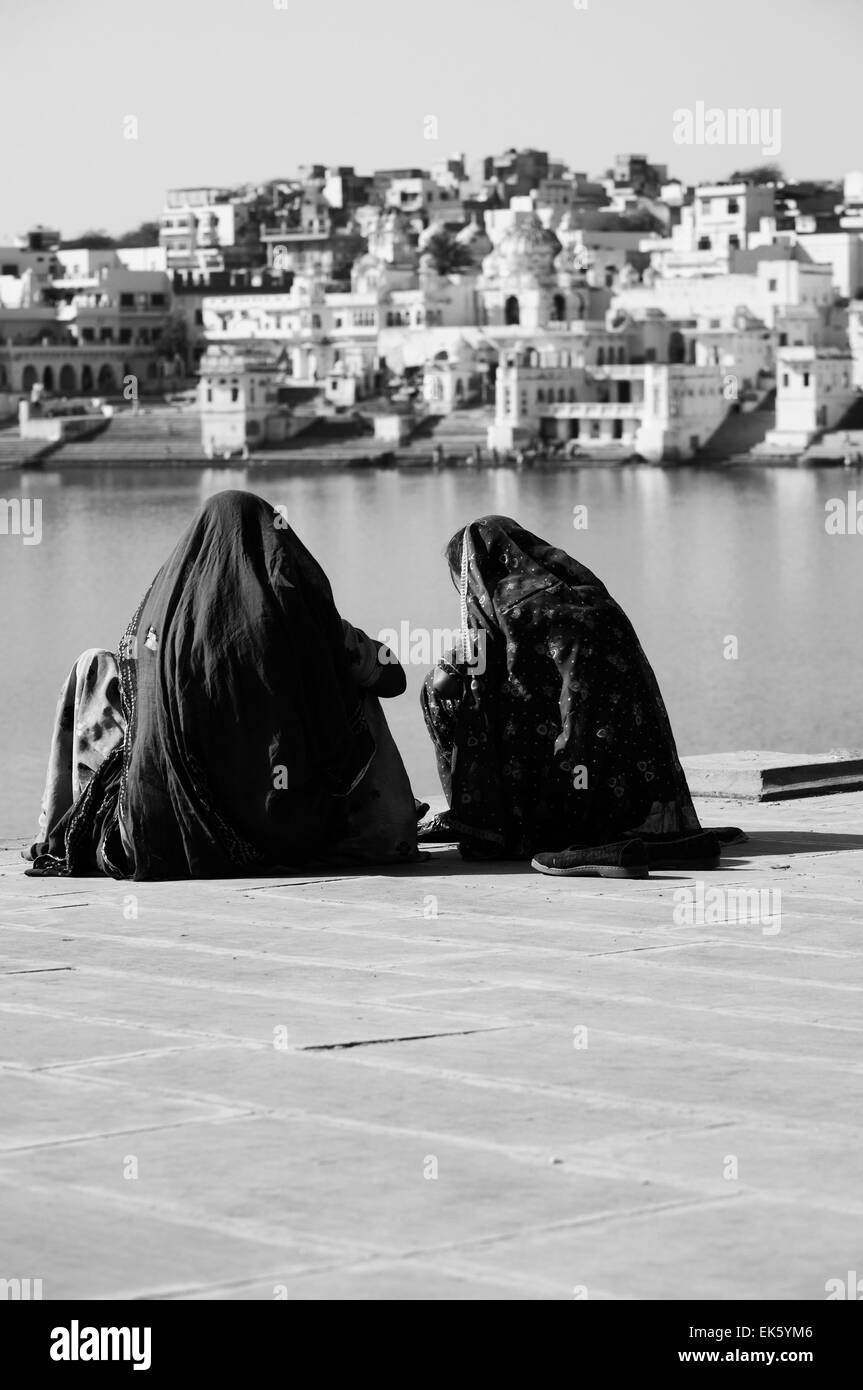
column 239, row 726
column 550, row 731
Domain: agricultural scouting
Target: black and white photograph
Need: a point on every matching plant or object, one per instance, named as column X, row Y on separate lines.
column 431, row 669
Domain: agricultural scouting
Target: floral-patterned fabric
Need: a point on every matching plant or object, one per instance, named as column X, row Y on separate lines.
column 563, row 737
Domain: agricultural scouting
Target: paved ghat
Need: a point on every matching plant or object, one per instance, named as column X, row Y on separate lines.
column 449, row 1082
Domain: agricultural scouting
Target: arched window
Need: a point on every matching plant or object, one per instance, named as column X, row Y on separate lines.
column 540, row 396
column 511, row 311
column 558, row 308
column 600, row 357
column 48, row 378
column 68, row 381
column 676, row 347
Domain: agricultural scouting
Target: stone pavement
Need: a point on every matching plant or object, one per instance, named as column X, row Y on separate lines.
column 447, row 1082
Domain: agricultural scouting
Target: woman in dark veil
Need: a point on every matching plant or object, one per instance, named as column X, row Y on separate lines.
column 237, row 729
column 549, row 728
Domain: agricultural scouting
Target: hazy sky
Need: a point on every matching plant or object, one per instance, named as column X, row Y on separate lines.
column 236, row 90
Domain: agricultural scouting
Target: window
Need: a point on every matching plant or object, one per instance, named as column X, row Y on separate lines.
column 125, row 335
column 127, row 301
column 785, row 379
column 316, row 320
column 772, row 286
column 157, row 301
column 733, row 205
column 235, row 394
column 805, row 378
column 209, row 395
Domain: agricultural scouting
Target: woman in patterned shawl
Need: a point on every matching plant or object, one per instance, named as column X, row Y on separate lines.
column 550, row 731
column 243, row 731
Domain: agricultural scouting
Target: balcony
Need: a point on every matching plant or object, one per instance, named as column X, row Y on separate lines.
column 594, row 410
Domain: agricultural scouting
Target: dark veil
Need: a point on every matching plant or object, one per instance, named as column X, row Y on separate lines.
column 245, row 730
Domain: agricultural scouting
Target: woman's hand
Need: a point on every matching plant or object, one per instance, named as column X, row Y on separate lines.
column 447, row 683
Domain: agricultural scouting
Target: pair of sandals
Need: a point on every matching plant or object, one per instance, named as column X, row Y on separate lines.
column 631, row 858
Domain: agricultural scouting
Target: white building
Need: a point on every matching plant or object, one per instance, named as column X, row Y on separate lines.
column 814, row 390
column 659, row 411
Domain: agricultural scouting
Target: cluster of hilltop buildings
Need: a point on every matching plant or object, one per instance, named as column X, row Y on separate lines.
column 629, row 312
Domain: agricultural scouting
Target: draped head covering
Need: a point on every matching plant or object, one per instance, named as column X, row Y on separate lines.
column 244, row 728
column 562, row 736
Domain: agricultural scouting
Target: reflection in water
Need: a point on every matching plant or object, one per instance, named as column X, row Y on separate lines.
column 215, row 480
column 693, row 556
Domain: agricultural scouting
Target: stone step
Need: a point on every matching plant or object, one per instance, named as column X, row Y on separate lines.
column 759, row 775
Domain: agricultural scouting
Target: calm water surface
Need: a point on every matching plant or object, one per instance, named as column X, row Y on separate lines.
column 694, row 557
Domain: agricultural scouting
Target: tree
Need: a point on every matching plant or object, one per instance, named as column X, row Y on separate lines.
column 447, row 255
column 173, row 339
column 759, row 173
column 146, row 234
column 92, row 240
column 640, row 220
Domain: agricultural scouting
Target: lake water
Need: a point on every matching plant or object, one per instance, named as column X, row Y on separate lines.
column 695, row 557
